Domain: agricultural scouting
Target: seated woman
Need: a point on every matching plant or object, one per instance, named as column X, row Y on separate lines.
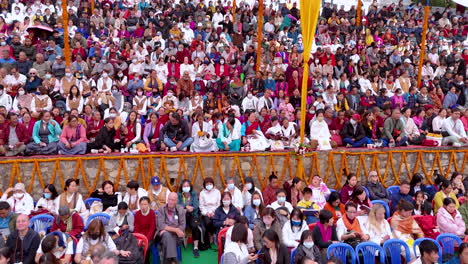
column 446, row 191
column 108, row 196
column 404, row 226
column 151, row 133
column 320, row 137
column 226, row 214
column 252, row 135
column 107, row 140
column 375, row 187
column 457, row 184
column 47, row 201
column 360, row 199
column 348, row 188
column 307, row 249
column 281, row 201
column 293, row 190
column 55, row 247
column 202, row 134
column 145, row 219
column 335, row 206
column 132, row 130
column 421, row 205
column 71, row 197
column 376, row 226
column 209, row 201
column 319, row 191
column 96, row 235
column 268, row 221
column 20, row 201
column 273, row 251
column 370, row 126
column 249, row 189
column 68, row 221
column 417, row 184
column 253, row 211
column 120, row 221
column 324, row 233
column 45, row 136
column 449, row 219
column 73, row 138
column 293, row 229
column 189, row 201
column 349, row 227
column 237, row 251
column 229, row 136
column 94, row 126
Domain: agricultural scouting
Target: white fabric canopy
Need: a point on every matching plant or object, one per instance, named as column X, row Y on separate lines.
column 461, row 2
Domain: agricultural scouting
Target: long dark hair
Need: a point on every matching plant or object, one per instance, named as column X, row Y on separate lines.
column 53, row 191
column 271, row 235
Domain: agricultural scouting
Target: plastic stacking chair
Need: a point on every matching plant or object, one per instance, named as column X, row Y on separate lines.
column 448, row 241
column 101, row 216
column 369, row 251
column 385, row 205
column 42, row 222
column 142, row 241
column 312, row 226
column 391, row 190
column 341, row 252
column 366, row 190
column 293, row 255
column 88, row 202
column 419, row 240
column 392, row 248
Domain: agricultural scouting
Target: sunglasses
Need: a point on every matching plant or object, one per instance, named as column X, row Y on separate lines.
column 32, row 73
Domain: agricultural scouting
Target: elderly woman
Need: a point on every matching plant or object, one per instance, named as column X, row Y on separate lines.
column 73, row 138
column 121, row 220
column 45, row 136
column 253, row 135
column 202, row 133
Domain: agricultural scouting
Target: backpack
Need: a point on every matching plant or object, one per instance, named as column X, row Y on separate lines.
column 128, row 242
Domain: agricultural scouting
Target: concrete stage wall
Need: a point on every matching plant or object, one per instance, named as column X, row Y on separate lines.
column 393, row 165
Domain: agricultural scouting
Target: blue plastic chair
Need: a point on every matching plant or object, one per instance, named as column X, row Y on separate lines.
column 369, row 251
column 366, row 190
column 447, row 241
column 221, row 261
column 42, row 222
column 385, row 205
column 88, row 202
column 155, row 252
column 392, row 249
column 419, row 240
column 391, row 190
column 341, row 251
column 293, row 255
column 101, row 216
column 331, row 190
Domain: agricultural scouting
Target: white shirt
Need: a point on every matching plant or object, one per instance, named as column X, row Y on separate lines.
column 108, row 243
column 12, row 80
column 228, row 240
column 375, row 235
column 291, row 235
column 365, row 85
column 140, row 193
column 79, row 206
column 275, row 205
column 249, row 103
column 209, row 201
column 237, row 199
column 454, row 128
column 41, row 97
column 6, row 101
column 23, row 206
column 59, row 253
column 438, row 123
column 247, row 196
column 107, row 81
column 341, row 228
column 47, row 204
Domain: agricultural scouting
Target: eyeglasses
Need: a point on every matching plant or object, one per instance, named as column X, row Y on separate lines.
column 32, row 73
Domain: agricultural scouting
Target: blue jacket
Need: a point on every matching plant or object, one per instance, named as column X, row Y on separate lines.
column 193, row 202
column 220, row 215
column 251, row 215
column 55, row 132
column 397, row 197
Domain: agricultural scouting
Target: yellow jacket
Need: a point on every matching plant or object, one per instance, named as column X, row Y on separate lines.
column 439, row 200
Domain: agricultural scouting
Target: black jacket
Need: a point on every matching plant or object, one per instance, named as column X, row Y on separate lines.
column 23, row 250
column 283, row 256
column 179, row 132
column 318, row 238
column 376, row 191
column 348, row 131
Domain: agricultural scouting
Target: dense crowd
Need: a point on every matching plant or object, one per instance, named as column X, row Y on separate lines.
column 176, row 76
column 244, row 223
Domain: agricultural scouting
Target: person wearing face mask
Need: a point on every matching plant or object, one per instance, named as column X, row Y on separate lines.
column 353, row 133
column 248, row 190
column 226, row 214
column 104, row 83
column 281, row 201
column 210, row 198
column 67, row 221
column 20, row 201
column 268, row 221
column 254, row 209
column 94, row 235
column 250, row 102
column 319, row 133
column 47, row 201
column 307, row 249
column 187, row 198
column 140, row 100
column 102, row 66
column 236, row 194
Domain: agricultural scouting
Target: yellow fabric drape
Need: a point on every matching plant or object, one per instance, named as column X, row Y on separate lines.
column 66, row 42
column 259, row 35
column 309, row 16
column 422, row 53
column 234, row 6
column 358, row 13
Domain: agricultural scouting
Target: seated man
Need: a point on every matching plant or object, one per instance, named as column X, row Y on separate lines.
column 403, row 194
column 7, row 219
column 171, row 226
column 394, row 130
column 19, row 200
column 23, row 242
column 353, row 133
column 454, row 127
column 15, row 137
column 175, row 134
column 429, row 253
column 157, row 194
column 68, row 222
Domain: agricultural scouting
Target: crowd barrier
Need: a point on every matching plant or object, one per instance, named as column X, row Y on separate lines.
column 392, row 166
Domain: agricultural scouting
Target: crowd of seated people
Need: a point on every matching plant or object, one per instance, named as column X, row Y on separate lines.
column 161, row 76
column 275, row 221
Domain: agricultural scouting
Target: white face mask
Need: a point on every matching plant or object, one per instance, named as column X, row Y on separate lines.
column 249, row 186
column 104, row 75
column 112, row 115
column 250, row 96
column 186, row 189
column 256, row 202
column 170, row 94
column 231, row 186
column 227, row 202
column 308, row 244
column 134, row 61
column 353, row 122
column 21, row 92
column 197, row 97
column 68, row 74
column 18, row 195
column 209, row 187
column 120, row 75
